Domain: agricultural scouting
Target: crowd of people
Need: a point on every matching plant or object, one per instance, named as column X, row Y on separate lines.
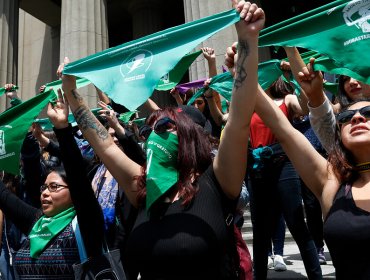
column 165, row 192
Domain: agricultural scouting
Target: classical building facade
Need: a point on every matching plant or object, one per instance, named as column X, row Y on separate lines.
column 37, row 34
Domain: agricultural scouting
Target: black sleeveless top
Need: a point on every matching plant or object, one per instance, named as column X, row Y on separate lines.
column 347, row 235
column 184, row 243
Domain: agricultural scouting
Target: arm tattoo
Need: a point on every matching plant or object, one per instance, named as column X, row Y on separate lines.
column 241, row 73
column 77, row 96
column 86, row 119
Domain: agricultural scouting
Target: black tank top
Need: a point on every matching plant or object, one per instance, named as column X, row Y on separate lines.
column 347, row 235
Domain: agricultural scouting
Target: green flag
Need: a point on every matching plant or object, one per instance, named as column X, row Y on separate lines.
column 268, row 72
column 126, row 117
column 222, row 83
column 80, row 82
column 172, row 78
column 14, row 124
column 339, row 30
column 129, row 73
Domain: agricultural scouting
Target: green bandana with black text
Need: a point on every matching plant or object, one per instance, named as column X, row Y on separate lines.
column 161, row 172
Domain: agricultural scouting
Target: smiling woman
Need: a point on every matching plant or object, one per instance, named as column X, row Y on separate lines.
column 341, row 184
column 50, row 249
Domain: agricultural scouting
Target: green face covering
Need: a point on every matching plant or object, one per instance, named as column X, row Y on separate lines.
column 161, row 172
column 46, row 228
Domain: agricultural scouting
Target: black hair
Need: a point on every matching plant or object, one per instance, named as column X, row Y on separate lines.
column 60, row 171
column 343, row 99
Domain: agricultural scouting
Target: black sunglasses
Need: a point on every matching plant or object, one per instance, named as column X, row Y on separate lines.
column 161, row 126
column 346, row 116
column 52, row 187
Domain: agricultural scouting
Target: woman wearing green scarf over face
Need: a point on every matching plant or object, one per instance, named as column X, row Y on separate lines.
column 180, row 231
column 50, row 249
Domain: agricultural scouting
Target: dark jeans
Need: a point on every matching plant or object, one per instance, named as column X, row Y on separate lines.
column 313, row 216
column 278, row 238
column 276, row 189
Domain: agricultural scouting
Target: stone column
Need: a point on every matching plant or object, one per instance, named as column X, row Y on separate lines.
column 9, row 11
column 84, row 31
column 219, row 42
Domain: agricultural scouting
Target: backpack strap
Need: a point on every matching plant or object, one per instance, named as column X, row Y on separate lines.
column 80, row 242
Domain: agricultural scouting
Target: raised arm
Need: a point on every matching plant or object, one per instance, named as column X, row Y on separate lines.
column 89, row 213
column 210, row 56
column 217, row 115
column 310, row 165
column 300, row 71
column 123, row 169
column 230, row 162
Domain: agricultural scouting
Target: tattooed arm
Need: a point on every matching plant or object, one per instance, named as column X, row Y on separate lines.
column 231, row 160
column 120, row 166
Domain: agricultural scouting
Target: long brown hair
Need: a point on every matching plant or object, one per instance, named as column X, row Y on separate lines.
column 194, row 154
column 341, row 159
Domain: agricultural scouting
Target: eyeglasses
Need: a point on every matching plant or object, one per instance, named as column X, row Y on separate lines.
column 161, row 126
column 346, row 116
column 52, row 187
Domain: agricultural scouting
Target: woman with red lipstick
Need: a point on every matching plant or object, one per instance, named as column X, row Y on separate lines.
column 341, row 183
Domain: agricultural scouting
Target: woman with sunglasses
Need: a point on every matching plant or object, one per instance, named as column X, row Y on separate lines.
column 341, row 183
column 180, row 231
column 322, row 111
column 50, row 249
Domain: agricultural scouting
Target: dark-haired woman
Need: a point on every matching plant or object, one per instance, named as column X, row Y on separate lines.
column 180, row 232
column 50, row 249
column 322, row 116
column 341, row 184
column 322, row 111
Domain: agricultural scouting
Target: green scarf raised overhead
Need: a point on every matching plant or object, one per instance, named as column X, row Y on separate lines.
column 268, row 72
column 340, row 30
column 129, row 73
column 171, row 79
column 14, row 124
column 55, row 85
column 46, row 228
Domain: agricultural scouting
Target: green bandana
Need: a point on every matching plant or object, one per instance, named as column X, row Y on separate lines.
column 46, row 228
column 161, row 172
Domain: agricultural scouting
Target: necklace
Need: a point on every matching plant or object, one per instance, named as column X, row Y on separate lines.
column 363, row 167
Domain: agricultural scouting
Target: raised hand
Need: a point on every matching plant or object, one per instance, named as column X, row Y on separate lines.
column 42, row 88
column 285, row 65
column 208, row 53
column 230, row 57
column 252, row 19
column 69, row 82
column 108, row 113
column 9, row 92
column 58, row 111
column 311, row 81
